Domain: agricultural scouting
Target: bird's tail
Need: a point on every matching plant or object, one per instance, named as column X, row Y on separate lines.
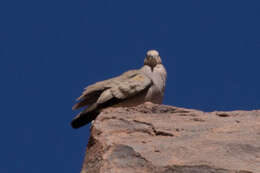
column 85, row 117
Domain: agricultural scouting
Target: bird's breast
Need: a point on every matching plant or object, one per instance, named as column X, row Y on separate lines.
column 156, row 91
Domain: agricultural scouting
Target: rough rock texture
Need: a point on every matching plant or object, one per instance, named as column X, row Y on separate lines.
column 165, row 139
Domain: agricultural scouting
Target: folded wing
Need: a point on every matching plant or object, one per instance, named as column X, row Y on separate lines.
column 107, row 93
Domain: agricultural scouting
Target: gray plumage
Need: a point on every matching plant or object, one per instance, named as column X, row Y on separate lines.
column 132, row 88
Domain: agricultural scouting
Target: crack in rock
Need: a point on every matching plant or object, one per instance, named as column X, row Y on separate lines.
column 156, row 132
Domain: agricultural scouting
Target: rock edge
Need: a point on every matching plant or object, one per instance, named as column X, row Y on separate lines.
column 165, row 139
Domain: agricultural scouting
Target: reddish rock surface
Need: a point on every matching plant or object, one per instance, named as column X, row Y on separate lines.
column 165, row 139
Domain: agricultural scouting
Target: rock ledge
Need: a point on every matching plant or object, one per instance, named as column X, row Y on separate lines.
column 154, row 138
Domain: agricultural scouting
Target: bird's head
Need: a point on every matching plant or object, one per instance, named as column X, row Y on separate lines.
column 152, row 58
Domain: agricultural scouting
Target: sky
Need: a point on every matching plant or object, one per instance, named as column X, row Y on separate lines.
column 50, row 50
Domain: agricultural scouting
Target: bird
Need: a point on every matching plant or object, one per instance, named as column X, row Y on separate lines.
column 131, row 88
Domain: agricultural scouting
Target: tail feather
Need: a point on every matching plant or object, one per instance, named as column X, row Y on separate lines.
column 85, row 117
column 91, row 112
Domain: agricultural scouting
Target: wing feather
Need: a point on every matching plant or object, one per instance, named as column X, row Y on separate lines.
column 92, row 93
column 109, row 92
column 131, row 86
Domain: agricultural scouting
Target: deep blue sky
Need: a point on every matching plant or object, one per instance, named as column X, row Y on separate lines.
column 50, row 50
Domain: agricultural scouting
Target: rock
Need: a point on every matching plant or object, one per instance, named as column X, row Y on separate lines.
column 154, row 138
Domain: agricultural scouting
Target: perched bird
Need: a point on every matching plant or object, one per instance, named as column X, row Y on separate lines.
column 132, row 88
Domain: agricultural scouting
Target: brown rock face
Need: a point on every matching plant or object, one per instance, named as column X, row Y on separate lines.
column 165, row 139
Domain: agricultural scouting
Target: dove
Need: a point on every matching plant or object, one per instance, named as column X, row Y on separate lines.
column 131, row 88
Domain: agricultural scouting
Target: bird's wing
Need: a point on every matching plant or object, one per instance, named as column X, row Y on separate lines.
column 113, row 91
column 92, row 93
column 128, row 86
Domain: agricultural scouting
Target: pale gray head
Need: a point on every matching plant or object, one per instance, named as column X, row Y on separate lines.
column 152, row 58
